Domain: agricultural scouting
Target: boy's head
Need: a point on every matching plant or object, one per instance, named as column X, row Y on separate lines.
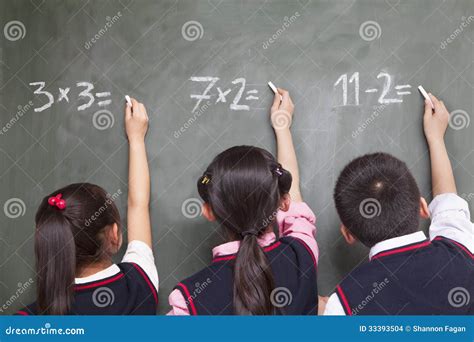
column 377, row 199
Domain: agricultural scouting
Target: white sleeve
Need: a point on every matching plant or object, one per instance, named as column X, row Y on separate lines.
column 141, row 254
column 334, row 307
column 450, row 218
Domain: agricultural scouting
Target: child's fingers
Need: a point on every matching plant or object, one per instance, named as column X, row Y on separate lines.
column 285, row 94
column 128, row 111
column 135, row 106
column 276, row 101
column 436, row 103
column 428, row 108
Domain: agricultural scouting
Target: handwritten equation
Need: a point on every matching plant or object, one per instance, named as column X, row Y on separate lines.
column 87, row 95
column 221, row 95
column 388, row 93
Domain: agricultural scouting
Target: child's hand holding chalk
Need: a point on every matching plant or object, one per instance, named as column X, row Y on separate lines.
column 136, row 121
column 282, row 110
column 274, row 88
column 435, row 121
column 426, row 96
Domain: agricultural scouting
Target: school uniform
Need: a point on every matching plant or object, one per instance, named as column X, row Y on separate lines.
column 414, row 275
column 293, row 260
column 127, row 288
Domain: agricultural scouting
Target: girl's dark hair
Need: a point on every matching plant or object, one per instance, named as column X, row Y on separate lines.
column 243, row 185
column 68, row 239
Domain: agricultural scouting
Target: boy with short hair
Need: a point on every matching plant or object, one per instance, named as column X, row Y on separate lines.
column 380, row 205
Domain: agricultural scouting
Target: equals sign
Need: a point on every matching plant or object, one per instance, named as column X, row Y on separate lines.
column 251, row 97
column 105, row 102
column 401, row 87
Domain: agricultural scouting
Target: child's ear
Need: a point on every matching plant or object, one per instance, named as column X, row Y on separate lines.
column 285, row 202
column 114, row 236
column 350, row 239
column 207, row 212
column 424, row 211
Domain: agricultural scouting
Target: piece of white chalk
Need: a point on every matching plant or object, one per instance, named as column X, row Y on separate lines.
column 425, row 95
column 129, row 101
column 275, row 90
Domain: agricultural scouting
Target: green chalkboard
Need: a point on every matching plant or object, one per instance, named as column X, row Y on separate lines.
column 352, row 67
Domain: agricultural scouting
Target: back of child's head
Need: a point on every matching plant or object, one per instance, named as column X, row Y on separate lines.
column 70, row 235
column 377, row 198
column 244, row 186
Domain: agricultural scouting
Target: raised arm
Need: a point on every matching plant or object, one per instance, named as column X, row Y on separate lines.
column 281, row 117
column 138, row 214
column 435, row 123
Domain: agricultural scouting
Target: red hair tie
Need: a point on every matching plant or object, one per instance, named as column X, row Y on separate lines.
column 57, row 201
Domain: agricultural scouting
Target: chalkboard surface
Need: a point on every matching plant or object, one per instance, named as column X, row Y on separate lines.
column 201, row 67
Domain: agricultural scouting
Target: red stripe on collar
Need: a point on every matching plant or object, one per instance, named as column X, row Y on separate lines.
column 402, row 249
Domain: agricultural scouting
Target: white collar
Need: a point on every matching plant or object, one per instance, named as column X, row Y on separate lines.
column 105, row 273
column 397, row 242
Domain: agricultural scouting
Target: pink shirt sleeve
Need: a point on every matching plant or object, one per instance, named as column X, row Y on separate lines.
column 299, row 222
column 178, row 304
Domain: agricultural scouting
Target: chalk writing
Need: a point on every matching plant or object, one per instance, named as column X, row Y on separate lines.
column 385, row 97
column 86, row 96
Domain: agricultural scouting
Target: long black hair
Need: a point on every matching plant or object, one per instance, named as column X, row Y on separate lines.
column 244, row 186
column 66, row 239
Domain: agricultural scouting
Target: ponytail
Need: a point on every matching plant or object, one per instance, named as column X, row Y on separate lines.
column 56, row 265
column 244, row 186
column 253, row 279
column 70, row 225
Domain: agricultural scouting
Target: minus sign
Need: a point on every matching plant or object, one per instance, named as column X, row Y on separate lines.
column 373, row 90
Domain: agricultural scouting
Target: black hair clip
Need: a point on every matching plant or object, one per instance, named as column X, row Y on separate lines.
column 249, row 232
column 278, row 171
